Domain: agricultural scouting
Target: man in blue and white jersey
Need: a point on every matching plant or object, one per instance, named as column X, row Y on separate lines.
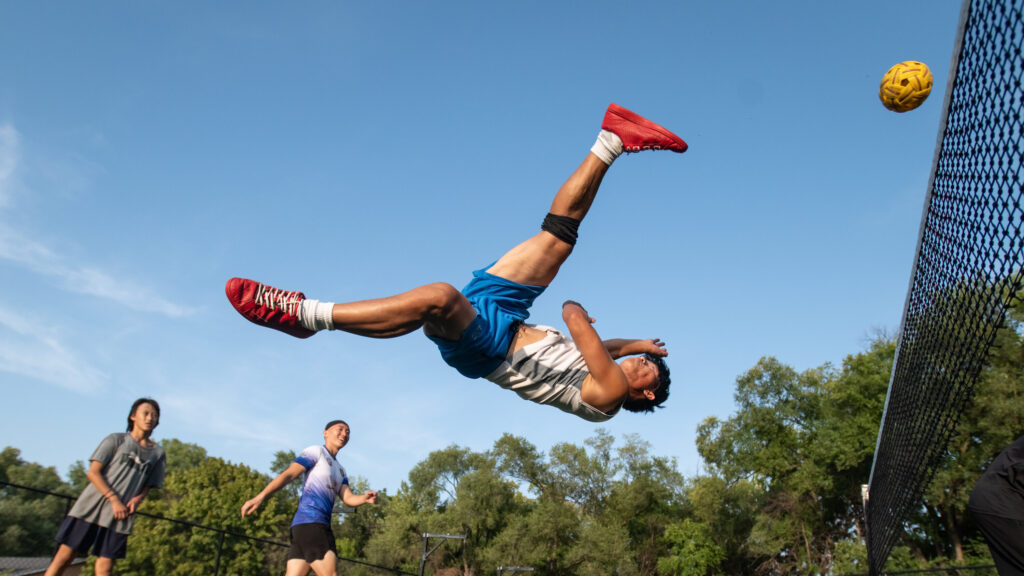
column 311, row 536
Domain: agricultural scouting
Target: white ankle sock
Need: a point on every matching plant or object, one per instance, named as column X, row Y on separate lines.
column 316, row 315
column 608, row 147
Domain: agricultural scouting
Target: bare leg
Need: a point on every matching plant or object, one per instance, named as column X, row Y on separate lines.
column 326, row 566
column 443, row 311
column 103, row 566
column 537, row 260
column 65, row 554
column 296, row 567
column 439, row 308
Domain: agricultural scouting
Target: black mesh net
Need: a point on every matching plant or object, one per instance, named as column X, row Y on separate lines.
column 968, row 267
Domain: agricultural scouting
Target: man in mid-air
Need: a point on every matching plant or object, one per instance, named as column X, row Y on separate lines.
column 481, row 332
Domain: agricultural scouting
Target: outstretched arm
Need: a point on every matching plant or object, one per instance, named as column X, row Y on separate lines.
column 352, row 499
column 607, row 385
column 619, row 347
column 293, row 471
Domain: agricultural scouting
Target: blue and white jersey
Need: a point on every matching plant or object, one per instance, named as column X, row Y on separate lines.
column 324, row 482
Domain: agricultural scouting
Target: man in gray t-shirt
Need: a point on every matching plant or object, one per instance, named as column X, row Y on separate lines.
column 121, row 472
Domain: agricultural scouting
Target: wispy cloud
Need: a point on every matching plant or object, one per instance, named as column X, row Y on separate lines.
column 30, row 350
column 40, row 259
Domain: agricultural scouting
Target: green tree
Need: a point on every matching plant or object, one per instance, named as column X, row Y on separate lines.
column 807, row 440
column 397, row 541
column 728, row 511
column 434, row 483
column 694, row 551
column 181, row 456
column 28, row 520
column 542, row 537
column 485, row 503
column 602, row 548
column 647, row 496
column 210, row 493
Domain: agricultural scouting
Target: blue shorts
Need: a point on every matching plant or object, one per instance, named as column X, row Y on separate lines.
column 501, row 305
column 80, row 535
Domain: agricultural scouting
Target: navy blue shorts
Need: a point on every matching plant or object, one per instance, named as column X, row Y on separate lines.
column 311, row 542
column 80, row 535
column 501, row 305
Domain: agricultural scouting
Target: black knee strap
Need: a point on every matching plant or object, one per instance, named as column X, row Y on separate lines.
column 564, row 228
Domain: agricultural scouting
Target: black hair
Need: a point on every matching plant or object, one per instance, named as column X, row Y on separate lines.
column 333, row 422
column 140, row 402
column 660, row 393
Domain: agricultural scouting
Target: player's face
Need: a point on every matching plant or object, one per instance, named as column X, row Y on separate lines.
column 642, row 374
column 145, row 418
column 337, row 435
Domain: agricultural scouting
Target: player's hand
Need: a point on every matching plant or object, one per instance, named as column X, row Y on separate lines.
column 120, row 512
column 654, row 347
column 590, row 319
column 371, row 496
column 251, row 505
column 133, row 504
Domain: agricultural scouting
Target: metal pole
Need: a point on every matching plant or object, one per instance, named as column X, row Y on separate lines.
column 220, row 549
column 443, row 537
column 423, row 555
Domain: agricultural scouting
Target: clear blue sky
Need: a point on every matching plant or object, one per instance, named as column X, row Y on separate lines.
column 151, row 150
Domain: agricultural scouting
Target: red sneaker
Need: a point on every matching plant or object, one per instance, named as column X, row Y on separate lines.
column 267, row 306
column 639, row 133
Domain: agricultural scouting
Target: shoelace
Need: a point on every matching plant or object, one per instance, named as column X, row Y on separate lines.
column 278, row 299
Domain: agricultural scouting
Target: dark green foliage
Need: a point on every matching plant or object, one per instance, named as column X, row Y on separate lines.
column 29, row 521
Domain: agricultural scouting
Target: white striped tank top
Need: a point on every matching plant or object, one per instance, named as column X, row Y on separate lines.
column 550, row 371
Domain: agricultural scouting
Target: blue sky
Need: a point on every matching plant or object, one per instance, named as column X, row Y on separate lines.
column 149, row 151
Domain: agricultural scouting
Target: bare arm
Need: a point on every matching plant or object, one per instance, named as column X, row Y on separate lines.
column 133, row 503
column 352, row 499
column 95, row 476
column 293, row 471
column 619, row 347
column 606, row 386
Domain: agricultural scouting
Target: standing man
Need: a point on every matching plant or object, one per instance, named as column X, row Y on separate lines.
column 311, row 536
column 121, row 471
column 997, row 505
column 481, row 332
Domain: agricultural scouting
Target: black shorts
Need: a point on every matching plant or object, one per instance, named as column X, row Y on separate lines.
column 311, row 542
column 80, row 535
column 1005, row 538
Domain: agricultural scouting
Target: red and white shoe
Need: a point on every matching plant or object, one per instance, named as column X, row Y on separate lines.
column 267, row 306
column 639, row 133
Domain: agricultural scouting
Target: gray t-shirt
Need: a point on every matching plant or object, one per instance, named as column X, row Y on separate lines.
column 128, row 468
